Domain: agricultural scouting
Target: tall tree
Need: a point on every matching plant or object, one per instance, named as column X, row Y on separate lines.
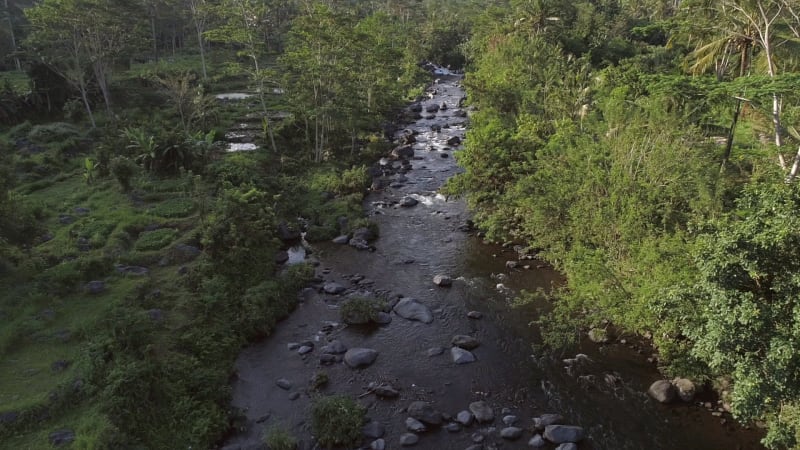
column 199, row 13
column 11, row 34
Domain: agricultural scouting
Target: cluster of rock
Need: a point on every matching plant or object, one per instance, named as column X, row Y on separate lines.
column 666, row 391
column 422, row 417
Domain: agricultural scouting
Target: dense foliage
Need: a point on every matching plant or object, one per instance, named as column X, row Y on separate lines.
column 643, row 147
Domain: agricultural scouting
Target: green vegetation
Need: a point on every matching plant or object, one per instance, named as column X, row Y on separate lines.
column 360, row 310
column 279, row 439
column 336, row 420
column 651, row 165
column 136, row 254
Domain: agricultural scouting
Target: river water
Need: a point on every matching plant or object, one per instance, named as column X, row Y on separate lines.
column 415, row 244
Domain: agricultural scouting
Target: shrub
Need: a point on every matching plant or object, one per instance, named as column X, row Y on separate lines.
column 279, row 439
column 174, row 208
column 156, row 239
column 319, row 381
column 123, row 170
column 53, row 132
column 359, row 310
column 337, row 420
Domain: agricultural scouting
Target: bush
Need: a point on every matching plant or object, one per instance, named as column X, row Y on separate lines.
column 123, row 170
column 337, row 420
column 53, row 132
column 174, row 208
column 360, row 310
column 279, row 439
column 156, row 239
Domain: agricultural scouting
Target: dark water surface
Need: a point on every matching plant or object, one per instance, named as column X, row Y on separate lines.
column 416, row 244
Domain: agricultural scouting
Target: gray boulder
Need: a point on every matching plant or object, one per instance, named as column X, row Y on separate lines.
column 442, row 280
column 559, row 434
column 341, row 240
column 408, row 202
column 333, row 288
column 373, row 430
column 409, row 308
column 334, row 347
column 360, row 357
column 408, row 439
column 415, row 425
column 567, row 446
column 464, row 418
column 547, row 419
column 424, row 412
column 481, row 411
column 536, row 441
column 464, row 341
column 461, row 356
column 511, row 433
column 663, row 391
column 685, row 389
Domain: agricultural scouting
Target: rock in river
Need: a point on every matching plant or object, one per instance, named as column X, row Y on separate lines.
column 424, row 412
column 408, row 202
column 442, row 280
column 482, row 411
column 663, row 391
column 360, row 357
column 685, row 388
column 464, row 341
column 461, row 356
column 560, row 434
column 333, row 288
column 410, row 309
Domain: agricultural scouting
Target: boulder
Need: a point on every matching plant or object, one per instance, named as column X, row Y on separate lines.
column 544, row 420
column 60, row 438
column 378, row 444
column 481, row 411
column 364, row 233
column 559, row 434
column 432, row 108
column 333, row 288
column 464, row 418
column 685, row 389
column 424, row 412
column 284, row 384
column 464, row 341
column 454, row 141
column 442, row 280
column 341, row 240
column 409, row 308
column 373, row 430
column 408, row 202
column 386, row 390
column 663, row 391
column 567, row 446
column 360, row 357
column 408, row 439
column 288, row 233
column 95, row 287
column 536, row 441
column 461, row 356
column 511, row 433
column 415, row 425
column 334, row 347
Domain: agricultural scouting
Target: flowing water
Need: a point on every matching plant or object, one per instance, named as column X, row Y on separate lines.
column 415, row 244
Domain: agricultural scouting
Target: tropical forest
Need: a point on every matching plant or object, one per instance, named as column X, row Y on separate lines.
column 380, row 224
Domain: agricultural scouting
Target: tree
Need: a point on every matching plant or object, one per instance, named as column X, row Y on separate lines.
column 199, row 13
column 7, row 13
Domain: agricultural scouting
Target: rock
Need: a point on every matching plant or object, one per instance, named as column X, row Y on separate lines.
column 373, row 430
column 327, row 358
column 544, row 420
column 452, row 427
column 341, row 240
column 686, row 389
column 434, row 351
column 461, row 356
column 132, row 270
column 481, row 411
column 442, row 280
column 360, row 357
column 599, row 336
column 81, row 211
column 294, row 396
column 95, row 287
column 512, row 264
column 408, row 439
column 567, row 446
column 65, row 219
column 536, row 441
column 475, row 315
column 288, row 233
column 432, row 108
column 415, row 425
column 454, row 141
column 333, row 288
column 424, row 412
column 477, row 437
column 408, row 202
column 292, row 346
column 559, row 434
column 61, row 437
column 663, row 391
column 305, row 349
column 464, row 341
column 8, row 417
column 459, row 113
column 511, row 433
column 364, row 233
column 409, row 308
column 284, row 384
column 382, row 318
column 358, row 244
column 464, row 418
column 334, row 347
column 510, row 420
column 404, row 151
column 281, row 256
column 386, row 390
column 378, row 444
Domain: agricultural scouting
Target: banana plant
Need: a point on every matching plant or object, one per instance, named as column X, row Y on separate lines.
column 89, row 170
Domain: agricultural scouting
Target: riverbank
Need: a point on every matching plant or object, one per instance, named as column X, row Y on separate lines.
column 418, row 242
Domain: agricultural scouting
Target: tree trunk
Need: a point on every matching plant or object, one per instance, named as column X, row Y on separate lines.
column 795, row 167
column 13, row 38
column 101, row 74
column 153, row 31
column 82, row 88
column 729, row 142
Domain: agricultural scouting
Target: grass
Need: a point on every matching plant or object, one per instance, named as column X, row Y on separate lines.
column 18, row 81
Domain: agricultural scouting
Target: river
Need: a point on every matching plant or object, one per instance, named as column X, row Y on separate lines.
column 415, row 244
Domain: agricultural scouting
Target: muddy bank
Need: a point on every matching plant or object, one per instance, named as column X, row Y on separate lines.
column 417, row 243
